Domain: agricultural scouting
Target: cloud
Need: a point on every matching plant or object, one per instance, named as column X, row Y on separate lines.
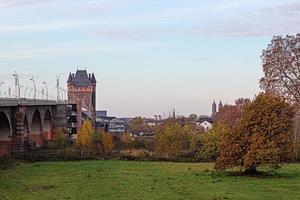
column 49, row 51
column 14, row 3
column 267, row 21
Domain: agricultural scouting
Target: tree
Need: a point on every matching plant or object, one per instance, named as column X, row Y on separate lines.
column 60, row 140
column 263, row 136
column 193, row 117
column 85, row 134
column 107, row 142
column 137, row 125
column 281, row 66
column 231, row 114
column 172, row 139
column 207, row 147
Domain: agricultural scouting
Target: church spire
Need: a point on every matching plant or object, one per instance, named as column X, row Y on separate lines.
column 214, row 108
column 220, row 105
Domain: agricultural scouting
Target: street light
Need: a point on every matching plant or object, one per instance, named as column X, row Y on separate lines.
column 57, row 87
column 17, row 84
column 30, row 93
column 47, row 94
column 1, row 83
column 34, row 86
column 25, row 92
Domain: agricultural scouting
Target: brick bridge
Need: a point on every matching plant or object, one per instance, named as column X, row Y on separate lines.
column 29, row 122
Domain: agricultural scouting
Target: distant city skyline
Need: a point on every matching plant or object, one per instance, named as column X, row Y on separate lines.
column 148, row 56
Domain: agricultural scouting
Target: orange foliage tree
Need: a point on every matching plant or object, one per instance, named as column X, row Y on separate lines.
column 107, row 142
column 263, row 137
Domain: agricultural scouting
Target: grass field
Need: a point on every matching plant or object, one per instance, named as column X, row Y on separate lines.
column 142, row 180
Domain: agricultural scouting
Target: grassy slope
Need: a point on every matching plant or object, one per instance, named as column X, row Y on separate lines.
column 141, row 180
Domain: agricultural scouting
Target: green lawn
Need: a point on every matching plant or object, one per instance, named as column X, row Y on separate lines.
column 142, row 180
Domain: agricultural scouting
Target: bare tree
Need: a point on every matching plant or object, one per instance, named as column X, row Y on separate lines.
column 281, row 66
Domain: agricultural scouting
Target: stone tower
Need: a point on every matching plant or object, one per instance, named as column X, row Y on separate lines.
column 214, row 109
column 220, row 105
column 82, row 92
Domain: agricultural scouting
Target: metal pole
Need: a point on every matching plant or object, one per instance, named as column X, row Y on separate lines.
column 30, row 93
column 34, row 86
column 1, row 83
column 47, row 94
column 25, row 92
column 57, row 87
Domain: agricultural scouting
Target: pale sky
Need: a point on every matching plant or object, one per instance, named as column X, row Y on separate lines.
column 149, row 56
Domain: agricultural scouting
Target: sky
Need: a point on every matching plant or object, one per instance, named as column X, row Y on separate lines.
column 149, row 56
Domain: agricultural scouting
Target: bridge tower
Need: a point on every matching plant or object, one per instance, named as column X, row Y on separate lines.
column 82, row 92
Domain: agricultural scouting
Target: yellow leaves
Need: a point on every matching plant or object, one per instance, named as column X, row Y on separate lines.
column 172, row 140
column 85, row 134
column 107, row 141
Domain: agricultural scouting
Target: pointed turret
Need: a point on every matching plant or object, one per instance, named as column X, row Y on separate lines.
column 70, row 79
column 214, row 108
column 220, row 105
column 93, row 78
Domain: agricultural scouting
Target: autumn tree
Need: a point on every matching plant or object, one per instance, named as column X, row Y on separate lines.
column 107, row 142
column 263, row 136
column 281, row 66
column 85, row 134
column 231, row 114
column 207, row 145
column 172, row 139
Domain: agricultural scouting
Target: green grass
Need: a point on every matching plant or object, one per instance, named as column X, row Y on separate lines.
column 142, row 180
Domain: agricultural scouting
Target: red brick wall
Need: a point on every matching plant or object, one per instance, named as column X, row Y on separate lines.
column 5, row 147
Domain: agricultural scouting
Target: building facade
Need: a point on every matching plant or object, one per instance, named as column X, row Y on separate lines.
column 82, row 93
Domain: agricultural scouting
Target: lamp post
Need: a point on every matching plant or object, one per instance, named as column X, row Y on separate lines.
column 27, row 88
column 47, row 94
column 57, row 87
column 30, row 93
column 21, row 86
column 34, row 87
column 17, row 84
column 1, row 83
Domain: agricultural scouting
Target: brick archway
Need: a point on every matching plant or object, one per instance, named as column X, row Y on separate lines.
column 5, row 134
column 36, row 129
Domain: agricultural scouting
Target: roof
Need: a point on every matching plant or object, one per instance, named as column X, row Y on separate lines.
column 82, row 79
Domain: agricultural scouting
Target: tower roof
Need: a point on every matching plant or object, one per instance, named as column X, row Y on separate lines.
column 93, row 79
column 70, row 79
column 81, row 79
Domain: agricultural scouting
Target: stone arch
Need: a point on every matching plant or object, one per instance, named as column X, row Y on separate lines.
column 5, row 134
column 47, row 125
column 36, row 129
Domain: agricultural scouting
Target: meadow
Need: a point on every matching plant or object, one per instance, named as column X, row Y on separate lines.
column 128, row 180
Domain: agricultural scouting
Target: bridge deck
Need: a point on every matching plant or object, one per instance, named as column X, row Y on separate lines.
column 7, row 102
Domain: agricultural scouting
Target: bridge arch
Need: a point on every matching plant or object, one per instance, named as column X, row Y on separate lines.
column 5, row 133
column 47, row 128
column 26, row 126
column 36, row 128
